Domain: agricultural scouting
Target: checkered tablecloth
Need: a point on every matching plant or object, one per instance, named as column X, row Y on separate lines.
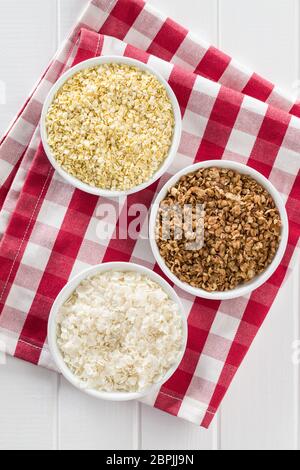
column 48, row 230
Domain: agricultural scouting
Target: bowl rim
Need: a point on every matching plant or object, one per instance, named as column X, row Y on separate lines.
column 63, row 296
column 89, row 63
column 258, row 281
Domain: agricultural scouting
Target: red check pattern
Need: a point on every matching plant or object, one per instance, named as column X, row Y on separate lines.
column 48, row 230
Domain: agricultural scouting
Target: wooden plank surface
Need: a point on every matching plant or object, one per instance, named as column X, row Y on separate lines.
column 87, row 423
column 28, row 412
column 28, row 39
column 259, row 411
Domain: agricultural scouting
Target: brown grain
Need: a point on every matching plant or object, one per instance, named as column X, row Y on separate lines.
column 242, row 230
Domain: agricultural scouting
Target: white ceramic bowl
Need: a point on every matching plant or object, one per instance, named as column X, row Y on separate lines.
column 65, row 294
column 243, row 289
column 97, row 62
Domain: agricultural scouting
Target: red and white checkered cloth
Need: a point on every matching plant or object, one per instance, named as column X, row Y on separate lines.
column 48, row 229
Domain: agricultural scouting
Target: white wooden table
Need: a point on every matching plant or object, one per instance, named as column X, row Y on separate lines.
column 40, row 410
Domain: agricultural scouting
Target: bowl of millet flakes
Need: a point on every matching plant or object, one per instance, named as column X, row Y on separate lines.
column 111, row 126
column 219, row 229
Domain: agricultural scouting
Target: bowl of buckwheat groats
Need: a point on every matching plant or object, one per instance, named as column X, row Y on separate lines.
column 219, row 229
column 111, row 126
column 117, row 331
